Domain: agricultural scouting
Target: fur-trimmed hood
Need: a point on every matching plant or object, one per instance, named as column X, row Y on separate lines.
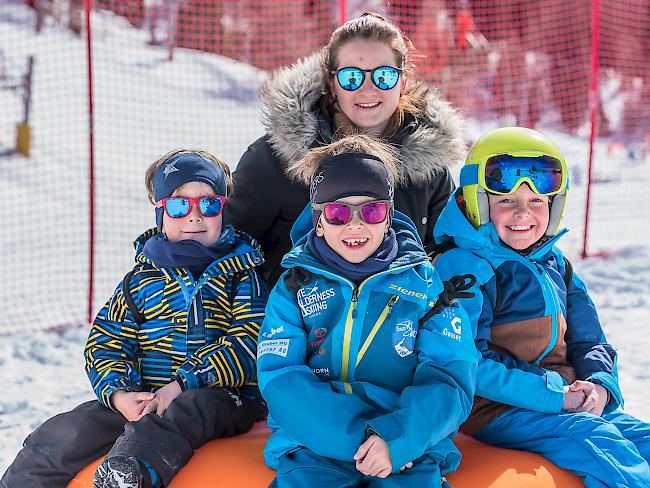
column 291, row 115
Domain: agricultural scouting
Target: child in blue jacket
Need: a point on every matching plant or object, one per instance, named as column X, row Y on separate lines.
column 171, row 356
column 362, row 388
column 547, row 379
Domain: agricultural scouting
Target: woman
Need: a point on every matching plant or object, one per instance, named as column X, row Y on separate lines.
column 360, row 82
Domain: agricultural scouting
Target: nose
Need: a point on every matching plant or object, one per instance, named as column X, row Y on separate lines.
column 522, row 210
column 356, row 220
column 367, row 83
column 194, row 215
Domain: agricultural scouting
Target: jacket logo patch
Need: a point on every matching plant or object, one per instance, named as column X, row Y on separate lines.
column 407, row 292
column 404, row 338
column 312, row 301
column 320, row 334
column 279, row 347
column 455, row 323
column 272, row 332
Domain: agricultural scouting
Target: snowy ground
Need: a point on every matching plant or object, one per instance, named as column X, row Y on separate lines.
column 147, row 106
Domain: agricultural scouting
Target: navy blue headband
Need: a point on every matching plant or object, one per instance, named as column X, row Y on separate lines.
column 350, row 174
column 183, row 168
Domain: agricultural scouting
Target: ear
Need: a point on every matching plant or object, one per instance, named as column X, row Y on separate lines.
column 319, row 229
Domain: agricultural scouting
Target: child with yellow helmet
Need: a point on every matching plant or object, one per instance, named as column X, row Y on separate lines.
column 547, row 379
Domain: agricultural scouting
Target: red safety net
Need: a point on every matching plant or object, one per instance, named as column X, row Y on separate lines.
column 186, row 73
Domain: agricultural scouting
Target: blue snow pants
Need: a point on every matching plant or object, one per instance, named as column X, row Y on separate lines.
column 608, row 451
column 303, row 467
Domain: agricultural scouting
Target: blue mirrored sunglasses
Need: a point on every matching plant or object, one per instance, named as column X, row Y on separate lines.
column 351, row 78
column 178, row 207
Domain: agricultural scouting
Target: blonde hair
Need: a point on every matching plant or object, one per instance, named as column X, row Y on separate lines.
column 374, row 27
column 304, row 169
column 151, row 170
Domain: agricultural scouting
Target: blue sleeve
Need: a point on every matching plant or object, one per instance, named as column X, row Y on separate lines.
column 500, row 378
column 445, row 377
column 587, row 348
column 329, row 423
column 230, row 361
column 112, row 349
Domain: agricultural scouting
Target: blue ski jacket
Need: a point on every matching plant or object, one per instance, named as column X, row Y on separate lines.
column 337, row 362
column 534, row 335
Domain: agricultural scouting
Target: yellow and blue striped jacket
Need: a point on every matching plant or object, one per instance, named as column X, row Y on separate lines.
column 200, row 332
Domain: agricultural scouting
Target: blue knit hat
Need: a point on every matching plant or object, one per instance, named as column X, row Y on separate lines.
column 183, row 168
column 350, row 174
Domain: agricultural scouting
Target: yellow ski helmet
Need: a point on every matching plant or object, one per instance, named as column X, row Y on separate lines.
column 501, row 160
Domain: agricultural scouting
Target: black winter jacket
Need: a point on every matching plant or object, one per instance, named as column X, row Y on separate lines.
column 267, row 200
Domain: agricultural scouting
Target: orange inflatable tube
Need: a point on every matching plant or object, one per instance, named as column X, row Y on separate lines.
column 482, row 466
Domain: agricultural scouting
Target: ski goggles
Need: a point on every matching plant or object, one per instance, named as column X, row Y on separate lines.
column 178, row 207
column 502, row 174
column 351, row 78
column 337, row 213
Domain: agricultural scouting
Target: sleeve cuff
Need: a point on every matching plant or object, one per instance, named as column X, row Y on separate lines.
column 387, row 428
column 187, row 379
column 555, row 388
column 180, row 382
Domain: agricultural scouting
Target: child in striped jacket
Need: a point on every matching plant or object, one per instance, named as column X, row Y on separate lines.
column 171, row 356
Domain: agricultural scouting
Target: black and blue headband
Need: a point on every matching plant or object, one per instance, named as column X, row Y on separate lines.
column 183, row 168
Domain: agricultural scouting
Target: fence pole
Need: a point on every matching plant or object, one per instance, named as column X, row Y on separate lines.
column 593, row 110
column 91, row 166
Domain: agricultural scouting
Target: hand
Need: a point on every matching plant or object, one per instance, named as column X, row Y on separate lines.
column 164, row 397
column 595, row 397
column 373, row 458
column 572, row 399
column 406, row 466
column 131, row 404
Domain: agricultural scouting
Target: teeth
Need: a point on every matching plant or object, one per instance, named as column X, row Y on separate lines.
column 520, row 227
column 368, row 105
column 355, row 242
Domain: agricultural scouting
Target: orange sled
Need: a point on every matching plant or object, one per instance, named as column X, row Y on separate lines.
column 482, row 466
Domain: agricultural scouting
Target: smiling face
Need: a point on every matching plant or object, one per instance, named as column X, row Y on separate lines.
column 521, row 218
column 195, row 226
column 356, row 240
column 369, row 108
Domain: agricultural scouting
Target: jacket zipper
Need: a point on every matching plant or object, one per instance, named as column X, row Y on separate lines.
column 385, row 313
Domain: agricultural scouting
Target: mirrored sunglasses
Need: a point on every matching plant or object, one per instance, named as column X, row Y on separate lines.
column 351, row 78
column 178, row 207
column 337, row 213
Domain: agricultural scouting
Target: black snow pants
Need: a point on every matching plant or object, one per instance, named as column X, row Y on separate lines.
column 62, row 446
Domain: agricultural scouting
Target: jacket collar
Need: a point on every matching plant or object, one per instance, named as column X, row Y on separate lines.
column 410, row 251
column 453, row 225
column 246, row 254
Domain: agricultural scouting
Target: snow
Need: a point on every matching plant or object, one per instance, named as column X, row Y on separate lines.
column 146, row 106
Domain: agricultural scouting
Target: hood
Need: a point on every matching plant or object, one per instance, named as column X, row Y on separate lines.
column 452, row 225
column 408, row 240
column 291, row 116
column 244, row 247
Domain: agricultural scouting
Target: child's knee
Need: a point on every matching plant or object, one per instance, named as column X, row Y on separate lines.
column 58, row 435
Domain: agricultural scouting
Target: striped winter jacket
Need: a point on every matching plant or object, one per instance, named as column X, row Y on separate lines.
column 534, row 333
column 201, row 332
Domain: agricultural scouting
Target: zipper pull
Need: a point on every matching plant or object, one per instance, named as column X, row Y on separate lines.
column 391, row 304
column 355, row 299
